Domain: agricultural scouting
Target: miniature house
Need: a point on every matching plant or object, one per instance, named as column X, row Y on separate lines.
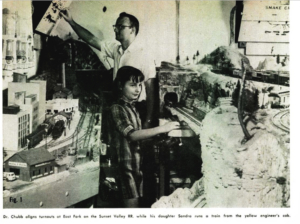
column 61, row 92
column 281, row 99
column 30, row 165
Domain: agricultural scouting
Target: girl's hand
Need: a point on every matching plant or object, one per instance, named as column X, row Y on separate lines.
column 170, row 126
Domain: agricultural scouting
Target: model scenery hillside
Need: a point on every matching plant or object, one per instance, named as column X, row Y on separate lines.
column 227, row 58
column 274, row 64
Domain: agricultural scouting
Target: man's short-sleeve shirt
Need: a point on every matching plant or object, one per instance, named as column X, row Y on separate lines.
column 134, row 56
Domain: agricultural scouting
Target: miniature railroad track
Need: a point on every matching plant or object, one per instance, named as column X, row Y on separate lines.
column 277, row 120
column 53, row 143
column 86, row 136
column 282, row 119
column 88, row 133
column 189, row 116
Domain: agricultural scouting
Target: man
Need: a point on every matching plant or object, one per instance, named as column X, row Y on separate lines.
column 129, row 53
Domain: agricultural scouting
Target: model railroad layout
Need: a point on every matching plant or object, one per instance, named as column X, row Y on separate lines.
column 279, row 120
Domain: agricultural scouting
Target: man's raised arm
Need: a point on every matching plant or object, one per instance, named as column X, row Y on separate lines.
column 83, row 33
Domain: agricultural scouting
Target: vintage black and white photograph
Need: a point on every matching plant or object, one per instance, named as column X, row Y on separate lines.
column 146, row 104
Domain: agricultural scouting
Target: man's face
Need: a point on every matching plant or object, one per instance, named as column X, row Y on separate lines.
column 123, row 29
column 132, row 90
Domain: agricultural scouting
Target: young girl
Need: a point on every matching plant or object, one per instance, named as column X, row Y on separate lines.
column 126, row 133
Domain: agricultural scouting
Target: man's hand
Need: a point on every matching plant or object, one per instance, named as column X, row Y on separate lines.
column 66, row 14
column 82, row 33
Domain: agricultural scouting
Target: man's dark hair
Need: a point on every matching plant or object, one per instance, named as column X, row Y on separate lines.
column 134, row 21
column 125, row 74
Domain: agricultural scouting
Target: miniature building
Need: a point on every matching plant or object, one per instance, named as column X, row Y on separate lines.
column 56, row 105
column 16, row 125
column 36, row 87
column 32, row 164
column 61, row 92
column 18, row 98
column 29, row 104
column 224, row 101
column 17, row 77
column 281, row 99
column 12, row 109
column 32, row 105
column 284, row 98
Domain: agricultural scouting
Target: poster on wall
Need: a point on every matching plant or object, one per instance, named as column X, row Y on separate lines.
column 270, row 20
column 180, row 115
column 51, row 16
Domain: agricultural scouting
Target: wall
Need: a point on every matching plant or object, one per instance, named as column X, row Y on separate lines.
column 41, row 169
column 30, row 110
column 10, row 131
column 42, row 99
column 204, row 25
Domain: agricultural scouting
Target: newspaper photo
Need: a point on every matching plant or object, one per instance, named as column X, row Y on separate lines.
column 146, row 104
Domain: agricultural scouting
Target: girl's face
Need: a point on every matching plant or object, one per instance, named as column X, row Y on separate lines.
column 132, row 90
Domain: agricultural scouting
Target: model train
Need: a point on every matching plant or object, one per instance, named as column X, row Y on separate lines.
column 58, row 129
column 54, row 125
column 279, row 78
column 36, row 137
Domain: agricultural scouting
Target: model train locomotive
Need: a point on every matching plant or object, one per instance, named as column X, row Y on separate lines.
column 54, row 126
column 58, row 129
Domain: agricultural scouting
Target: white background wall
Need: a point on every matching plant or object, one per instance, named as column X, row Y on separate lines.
column 204, row 26
column 10, row 127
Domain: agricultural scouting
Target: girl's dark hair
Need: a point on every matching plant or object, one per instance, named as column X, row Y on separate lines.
column 125, row 74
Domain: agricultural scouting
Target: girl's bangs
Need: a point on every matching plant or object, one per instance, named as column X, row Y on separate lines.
column 137, row 78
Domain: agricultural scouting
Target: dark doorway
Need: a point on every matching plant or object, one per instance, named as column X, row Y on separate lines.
column 16, row 171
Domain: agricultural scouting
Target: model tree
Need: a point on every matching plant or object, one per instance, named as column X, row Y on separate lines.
column 232, row 41
column 251, row 104
column 240, row 103
column 215, row 93
column 256, row 100
column 4, row 152
column 197, row 55
column 178, row 59
column 264, row 91
column 235, row 94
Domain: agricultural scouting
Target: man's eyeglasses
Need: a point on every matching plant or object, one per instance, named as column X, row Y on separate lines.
column 120, row 27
